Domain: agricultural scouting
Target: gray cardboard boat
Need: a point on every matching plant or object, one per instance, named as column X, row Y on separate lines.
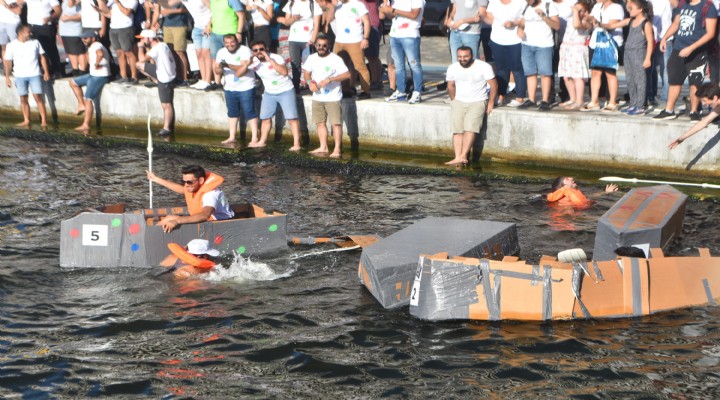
column 114, row 238
column 387, row 268
column 649, row 217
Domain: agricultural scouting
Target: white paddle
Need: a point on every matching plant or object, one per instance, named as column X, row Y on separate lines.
column 150, row 150
column 635, row 180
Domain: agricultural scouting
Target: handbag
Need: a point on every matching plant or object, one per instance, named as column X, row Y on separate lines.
column 606, row 51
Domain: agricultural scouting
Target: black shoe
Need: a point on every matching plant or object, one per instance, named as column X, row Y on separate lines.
column 527, row 104
column 164, row 133
column 544, row 106
column 664, row 115
column 132, row 81
column 182, row 84
column 364, row 96
column 695, row 116
column 212, row 86
column 150, row 84
column 121, row 80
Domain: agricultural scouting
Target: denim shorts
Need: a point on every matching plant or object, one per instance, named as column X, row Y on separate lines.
column 216, row 43
column 7, row 33
column 237, row 100
column 33, row 82
column 200, row 41
column 94, row 85
column 537, row 60
column 286, row 100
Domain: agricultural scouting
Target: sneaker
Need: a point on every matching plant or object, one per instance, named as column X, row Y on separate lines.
column 527, row 104
column 415, row 98
column 121, row 80
column 544, row 106
column 164, row 132
column 694, row 117
column 200, row 85
column 396, row 96
column 636, row 111
column 514, row 103
column 364, row 96
column 182, row 84
column 150, row 84
column 629, row 110
column 132, row 81
column 212, row 86
column 664, row 115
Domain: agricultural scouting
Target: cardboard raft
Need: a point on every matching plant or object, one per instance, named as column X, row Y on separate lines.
column 650, row 216
column 463, row 288
column 118, row 239
column 387, row 268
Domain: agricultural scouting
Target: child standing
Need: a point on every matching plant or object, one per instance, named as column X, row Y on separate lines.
column 574, row 66
column 638, row 52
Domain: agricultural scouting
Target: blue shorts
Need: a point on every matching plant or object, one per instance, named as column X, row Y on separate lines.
column 200, row 41
column 537, row 60
column 286, row 100
column 33, row 82
column 94, row 85
column 237, row 100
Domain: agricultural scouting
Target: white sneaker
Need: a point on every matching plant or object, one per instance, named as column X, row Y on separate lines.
column 200, row 85
column 396, row 96
column 415, row 98
column 514, row 103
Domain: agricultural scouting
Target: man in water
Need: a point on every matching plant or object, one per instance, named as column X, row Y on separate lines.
column 565, row 192
column 205, row 202
column 200, row 248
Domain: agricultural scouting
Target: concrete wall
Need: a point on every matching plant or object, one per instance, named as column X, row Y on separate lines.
column 611, row 141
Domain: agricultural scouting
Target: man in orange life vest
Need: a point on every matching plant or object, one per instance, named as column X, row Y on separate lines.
column 205, row 201
column 565, row 192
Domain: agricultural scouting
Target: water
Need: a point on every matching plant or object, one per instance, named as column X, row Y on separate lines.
column 298, row 325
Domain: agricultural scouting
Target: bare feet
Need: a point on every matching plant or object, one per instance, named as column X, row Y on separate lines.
column 228, row 141
column 456, row 161
column 295, row 148
column 80, row 111
column 82, row 128
column 320, row 150
column 335, row 154
column 257, row 144
column 23, row 124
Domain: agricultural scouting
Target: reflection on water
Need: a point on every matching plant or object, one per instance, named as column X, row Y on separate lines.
column 301, row 326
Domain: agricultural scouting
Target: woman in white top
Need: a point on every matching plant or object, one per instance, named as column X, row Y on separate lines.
column 70, row 29
column 303, row 19
column 504, row 15
column 261, row 12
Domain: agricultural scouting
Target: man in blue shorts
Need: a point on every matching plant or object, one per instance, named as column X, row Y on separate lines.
column 95, row 79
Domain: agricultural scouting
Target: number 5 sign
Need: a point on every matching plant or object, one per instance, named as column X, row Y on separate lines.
column 94, row 235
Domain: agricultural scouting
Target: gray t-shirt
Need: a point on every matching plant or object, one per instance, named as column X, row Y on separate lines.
column 468, row 9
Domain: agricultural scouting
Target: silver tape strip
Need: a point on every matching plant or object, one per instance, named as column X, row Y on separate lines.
column 547, row 293
column 490, row 300
column 598, row 274
column 708, row 293
column 636, row 286
column 536, row 275
column 576, row 282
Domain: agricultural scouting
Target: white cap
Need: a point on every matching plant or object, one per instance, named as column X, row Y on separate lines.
column 201, row 246
column 147, row 33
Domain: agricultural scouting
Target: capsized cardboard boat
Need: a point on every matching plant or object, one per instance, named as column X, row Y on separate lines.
column 387, row 268
column 480, row 289
column 115, row 238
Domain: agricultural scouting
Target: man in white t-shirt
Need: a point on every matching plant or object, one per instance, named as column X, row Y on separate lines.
column 405, row 43
column 324, row 72
column 232, row 63
column 536, row 26
column 279, row 90
column 351, row 24
column 158, row 64
column 469, row 81
column 9, row 20
column 95, row 79
column 122, row 35
column 24, row 56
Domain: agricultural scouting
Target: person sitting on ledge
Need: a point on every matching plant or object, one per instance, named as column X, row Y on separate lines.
column 205, row 202
column 709, row 95
column 565, row 192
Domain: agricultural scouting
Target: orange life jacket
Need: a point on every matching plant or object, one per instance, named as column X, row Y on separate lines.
column 192, row 265
column 194, row 200
column 568, row 196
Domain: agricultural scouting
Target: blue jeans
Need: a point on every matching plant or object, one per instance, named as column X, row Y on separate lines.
column 508, row 59
column 216, row 43
column 457, row 39
column 409, row 48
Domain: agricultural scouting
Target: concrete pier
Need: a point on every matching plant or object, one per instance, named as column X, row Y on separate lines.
column 611, row 141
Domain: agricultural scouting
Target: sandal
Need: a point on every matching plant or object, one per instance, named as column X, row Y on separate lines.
column 610, row 108
column 573, row 107
column 590, row 107
column 567, row 104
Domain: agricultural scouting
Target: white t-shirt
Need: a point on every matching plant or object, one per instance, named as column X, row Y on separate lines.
column 321, row 68
column 470, row 83
column 89, row 17
column 38, row 10
column 70, row 28
column 565, row 12
column 605, row 15
column 199, row 12
column 274, row 82
column 403, row 27
column 92, row 58
column 7, row 16
column 348, row 25
column 217, row 200
column 501, row 14
column 257, row 17
column 301, row 30
column 25, row 57
column 234, row 83
column 662, row 17
column 537, row 32
column 118, row 20
column 164, row 62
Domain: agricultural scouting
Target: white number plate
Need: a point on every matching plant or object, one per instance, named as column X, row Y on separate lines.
column 95, row 235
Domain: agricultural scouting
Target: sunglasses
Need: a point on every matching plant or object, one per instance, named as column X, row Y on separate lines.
column 189, row 182
column 321, row 46
column 258, row 49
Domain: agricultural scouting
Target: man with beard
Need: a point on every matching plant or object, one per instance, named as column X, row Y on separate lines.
column 158, row 64
column 350, row 21
column 94, row 80
column 325, row 71
column 468, row 82
column 232, row 62
column 279, row 90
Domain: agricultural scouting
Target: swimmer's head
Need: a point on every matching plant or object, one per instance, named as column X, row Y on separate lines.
column 564, row 181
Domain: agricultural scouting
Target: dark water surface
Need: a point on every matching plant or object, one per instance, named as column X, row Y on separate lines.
column 312, row 332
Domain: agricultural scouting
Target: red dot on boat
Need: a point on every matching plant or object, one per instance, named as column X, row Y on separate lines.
column 134, row 229
column 218, row 239
column 74, row 233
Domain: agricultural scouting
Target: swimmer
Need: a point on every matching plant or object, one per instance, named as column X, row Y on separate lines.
column 194, row 259
column 565, row 192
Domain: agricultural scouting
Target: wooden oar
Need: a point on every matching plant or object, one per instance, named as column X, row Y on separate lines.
column 340, row 241
column 635, row 180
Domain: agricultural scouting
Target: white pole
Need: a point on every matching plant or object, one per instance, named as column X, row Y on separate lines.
column 150, row 150
column 635, row 180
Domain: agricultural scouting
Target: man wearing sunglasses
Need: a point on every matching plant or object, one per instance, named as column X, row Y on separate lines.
column 205, row 202
column 279, row 90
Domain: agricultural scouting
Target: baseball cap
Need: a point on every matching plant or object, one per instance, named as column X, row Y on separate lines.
column 89, row 34
column 147, row 33
column 201, row 246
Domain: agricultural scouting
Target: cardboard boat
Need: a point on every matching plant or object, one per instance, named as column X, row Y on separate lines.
column 481, row 289
column 115, row 238
column 387, row 268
